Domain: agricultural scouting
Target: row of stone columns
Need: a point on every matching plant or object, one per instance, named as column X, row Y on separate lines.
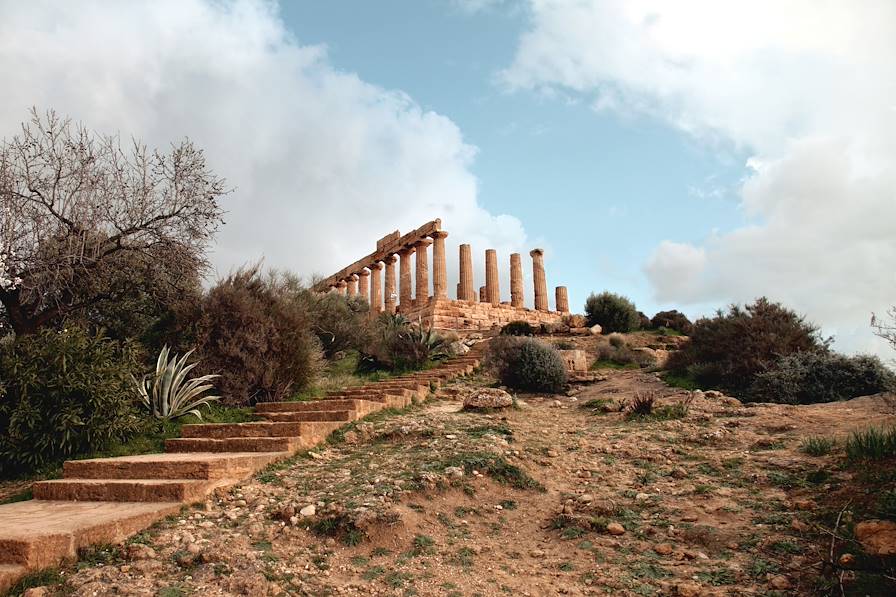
column 382, row 293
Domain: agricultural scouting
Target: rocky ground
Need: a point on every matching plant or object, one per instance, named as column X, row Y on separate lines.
column 556, row 495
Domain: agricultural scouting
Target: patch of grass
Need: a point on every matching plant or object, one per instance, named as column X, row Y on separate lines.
column 607, row 364
column 872, row 443
column 423, row 545
column 373, row 572
column 508, row 504
column 886, row 504
column 758, row 568
column 817, row 445
column 784, row 480
column 339, row 526
column 597, row 405
column 396, row 579
column 172, row 591
column 718, row 577
column 566, row 567
column 684, row 382
column 649, row 570
column 43, row 578
column 21, row 496
column 463, row 557
column 494, row 466
column 785, row 546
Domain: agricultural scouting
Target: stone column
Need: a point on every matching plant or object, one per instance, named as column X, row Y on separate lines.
column 352, row 282
column 541, row 285
column 389, row 290
column 465, row 286
column 405, row 290
column 364, row 283
column 439, row 270
column 482, row 296
column 340, row 287
column 376, row 293
column 516, row 281
column 562, row 298
column 492, row 286
column 421, row 293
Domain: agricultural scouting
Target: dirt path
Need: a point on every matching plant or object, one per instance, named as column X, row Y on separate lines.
column 525, row 502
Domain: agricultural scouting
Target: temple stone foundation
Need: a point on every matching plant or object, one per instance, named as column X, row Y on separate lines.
column 374, row 276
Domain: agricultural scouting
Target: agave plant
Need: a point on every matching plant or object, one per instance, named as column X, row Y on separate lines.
column 169, row 394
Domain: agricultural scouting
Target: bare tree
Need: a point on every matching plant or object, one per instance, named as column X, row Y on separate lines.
column 886, row 330
column 77, row 212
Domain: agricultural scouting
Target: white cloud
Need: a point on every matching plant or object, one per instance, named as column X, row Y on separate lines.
column 323, row 163
column 805, row 88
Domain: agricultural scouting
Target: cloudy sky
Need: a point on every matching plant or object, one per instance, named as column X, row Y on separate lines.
column 687, row 154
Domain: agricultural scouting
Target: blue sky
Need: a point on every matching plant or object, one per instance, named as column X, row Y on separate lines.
column 598, row 189
column 688, row 155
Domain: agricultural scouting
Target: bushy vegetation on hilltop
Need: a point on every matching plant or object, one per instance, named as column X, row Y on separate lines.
column 613, row 312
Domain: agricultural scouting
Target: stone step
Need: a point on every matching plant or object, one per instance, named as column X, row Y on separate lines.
column 222, row 430
column 171, row 466
column 10, row 575
column 123, row 490
column 233, row 444
column 313, row 415
column 356, row 404
column 39, row 534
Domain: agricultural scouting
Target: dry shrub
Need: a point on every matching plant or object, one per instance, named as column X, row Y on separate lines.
column 256, row 333
column 526, row 364
column 730, row 349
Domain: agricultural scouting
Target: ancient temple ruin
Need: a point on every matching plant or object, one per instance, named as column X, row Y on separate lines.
column 373, row 277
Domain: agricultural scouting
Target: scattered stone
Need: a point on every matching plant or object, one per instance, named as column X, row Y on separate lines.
column 846, row 560
column 878, row 537
column 36, row 592
column 780, row 583
column 798, row 525
column 309, row 510
column 586, row 498
column 663, row 549
column 642, row 497
column 679, row 473
column 688, row 589
column 488, row 398
column 285, row 513
column 574, row 320
column 804, row 504
column 614, row 528
column 454, row 471
column 138, row 551
column 596, row 330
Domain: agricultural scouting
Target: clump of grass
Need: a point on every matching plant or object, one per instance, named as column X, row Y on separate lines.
column 340, row 526
column 423, row 545
column 817, row 445
column 499, row 430
column 598, row 405
column 872, row 444
column 643, row 407
column 494, row 466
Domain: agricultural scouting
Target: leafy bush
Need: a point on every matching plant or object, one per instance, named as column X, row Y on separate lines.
column 169, row 394
column 527, row 364
column 673, row 320
column 397, row 344
column 518, row 328
column 728, row 350
column 810, row 377
column 64, row 393
column 339, row 322
column 256, row 333
column 613, row 312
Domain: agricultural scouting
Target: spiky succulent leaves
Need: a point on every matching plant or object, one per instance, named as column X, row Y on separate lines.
column 169, row 394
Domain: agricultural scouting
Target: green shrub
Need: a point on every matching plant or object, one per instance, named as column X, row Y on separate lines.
column 728, row 350
column 518, row 328
column 673, row 320
column 872, row 444
column 527, row 364
column 613, row 312
column 397, row 344
column 817, row 445
column 811, row 377
column 256, row 334
column 64, row 393
column 340, row 322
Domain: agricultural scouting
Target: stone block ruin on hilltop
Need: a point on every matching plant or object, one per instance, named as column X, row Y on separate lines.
column 373, row 277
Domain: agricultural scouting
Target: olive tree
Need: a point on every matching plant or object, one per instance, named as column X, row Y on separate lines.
column 84, row 220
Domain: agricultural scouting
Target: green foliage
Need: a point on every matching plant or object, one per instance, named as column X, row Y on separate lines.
column 672, row 320
column 613, row 312
column 617, row 352
column 871, row 444
column 396, row 344
column 256, row 332
column 338, row 321
column 167, row 392
column 519, row 328
column 811, row 377
column 64, row 393
column 817, row 445
column 526, row 364
column 730, row 349
column 494, row 466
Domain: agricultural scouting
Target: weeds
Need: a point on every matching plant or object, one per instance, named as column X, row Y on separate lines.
column 817, row 445
column 872, row 444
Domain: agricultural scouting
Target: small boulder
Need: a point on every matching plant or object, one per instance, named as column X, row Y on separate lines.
column 36, row 592
column 596, row 330
column 780, row 583
column 309, row 510
column 878, row 537
column 663, row 549
column 614, row 528
column 138, row 551
column 574, row 320
column 485, row 398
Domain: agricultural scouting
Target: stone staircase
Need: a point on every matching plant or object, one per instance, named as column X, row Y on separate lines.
column 105, row 500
